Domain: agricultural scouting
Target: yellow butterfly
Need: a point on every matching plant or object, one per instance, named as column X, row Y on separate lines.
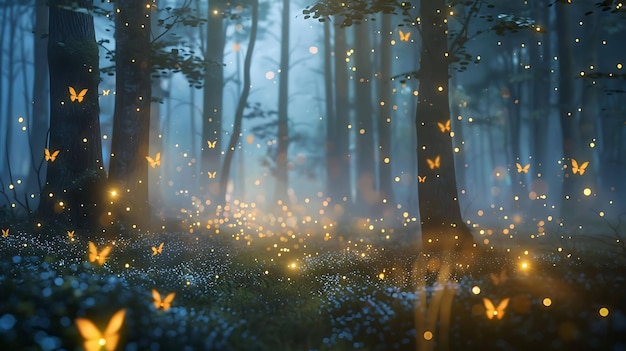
column 434, row 164
column 498, row 279
column 579, row 169
column 98, row 257
column 403, row 36
column 212, row 144
column 50, row 156
column 492, row 311
column 521, row 168
column 5, row 232
column 94, row 339
column 105, row 92
column 444, row 127
column 156, row 161
column 165, row 303
column 212, row 174
column 421, row 179
column 77, row 97
column 70, row 234
column 157, row 250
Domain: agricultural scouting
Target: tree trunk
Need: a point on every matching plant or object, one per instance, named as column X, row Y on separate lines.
column 213, row 94
column 440, row 214
column 128, row 172
column 234, row 136
column 282, row 148
column 73, row 191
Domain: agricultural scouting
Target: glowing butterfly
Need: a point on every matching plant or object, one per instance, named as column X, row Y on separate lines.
column 98, row 257
column 165, row 303
column 403, row 36
column 70, row 234
column 105, row 92
column 77, row 97
column 212, row 174
column 498, row 279
column 444, row 127
column 157, row 250
column 5, row 232
column 492, row 311
column 94, row 339
column 50, row 156
column 212, row 144
column 156, row 161
column 579, row 169
column 521, row 168
column 432, row 164
column 421, row 179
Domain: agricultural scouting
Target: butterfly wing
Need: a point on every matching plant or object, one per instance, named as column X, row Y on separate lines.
column 46, row 154
column 103, row 255
column 490, row 309
column 158, row 159
column 156, row 298
column 81, row 95
column 441, row 126
column 93, row 252
column 111, row 333
column 154, row 251
column 54, row 155
column 574, row 166
column 437, row 161
column 161, row 248
column 167, row 301
column 583, row 167
column 501, row 307
column 73, row 95
column 90, row 333
column 5, row 232
column 151, row 161
column 448, row 126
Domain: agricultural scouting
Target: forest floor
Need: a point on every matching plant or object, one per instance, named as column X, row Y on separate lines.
column 238, row 295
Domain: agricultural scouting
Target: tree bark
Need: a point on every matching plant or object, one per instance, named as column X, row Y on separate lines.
column 73, row 193
column 128, row 171
column 440, row 214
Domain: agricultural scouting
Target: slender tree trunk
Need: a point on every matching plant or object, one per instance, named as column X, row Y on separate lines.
column 234, row 137
column 213, row 94
column 332, row 168
column 128, row 172
column 282, row 152
column 73, row 193
column 384, row 120
column 367, row 196
column 38, row 125
column 440, row 214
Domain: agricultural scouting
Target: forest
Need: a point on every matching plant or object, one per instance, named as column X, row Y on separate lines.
column 312, row 175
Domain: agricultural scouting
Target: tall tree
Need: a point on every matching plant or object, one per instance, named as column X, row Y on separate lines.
column 282, row 147
column 72, row 193
column 128, row 171
column 213, row 90
column 243, row 100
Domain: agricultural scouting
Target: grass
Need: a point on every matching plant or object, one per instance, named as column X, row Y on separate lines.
column 342, row 296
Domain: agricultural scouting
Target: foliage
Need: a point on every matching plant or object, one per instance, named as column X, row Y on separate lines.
column 233, row 297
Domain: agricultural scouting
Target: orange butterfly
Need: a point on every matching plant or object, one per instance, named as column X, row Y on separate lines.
column 50, row 156
column 492, row 311
column 579, row 169
column 70, row 234
column 156, row 161
column 77, row 97
column 5, row 232
column 444, row 127
column 432, row 164
column 212, row 174
column 94, row 339
column 421, row 179
column 403, row 36
column 157, row 250
column 98, row 257
column 521, row 168
column 165, row 303
column 212, row 144
column 498, row 279
column 105, row 92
